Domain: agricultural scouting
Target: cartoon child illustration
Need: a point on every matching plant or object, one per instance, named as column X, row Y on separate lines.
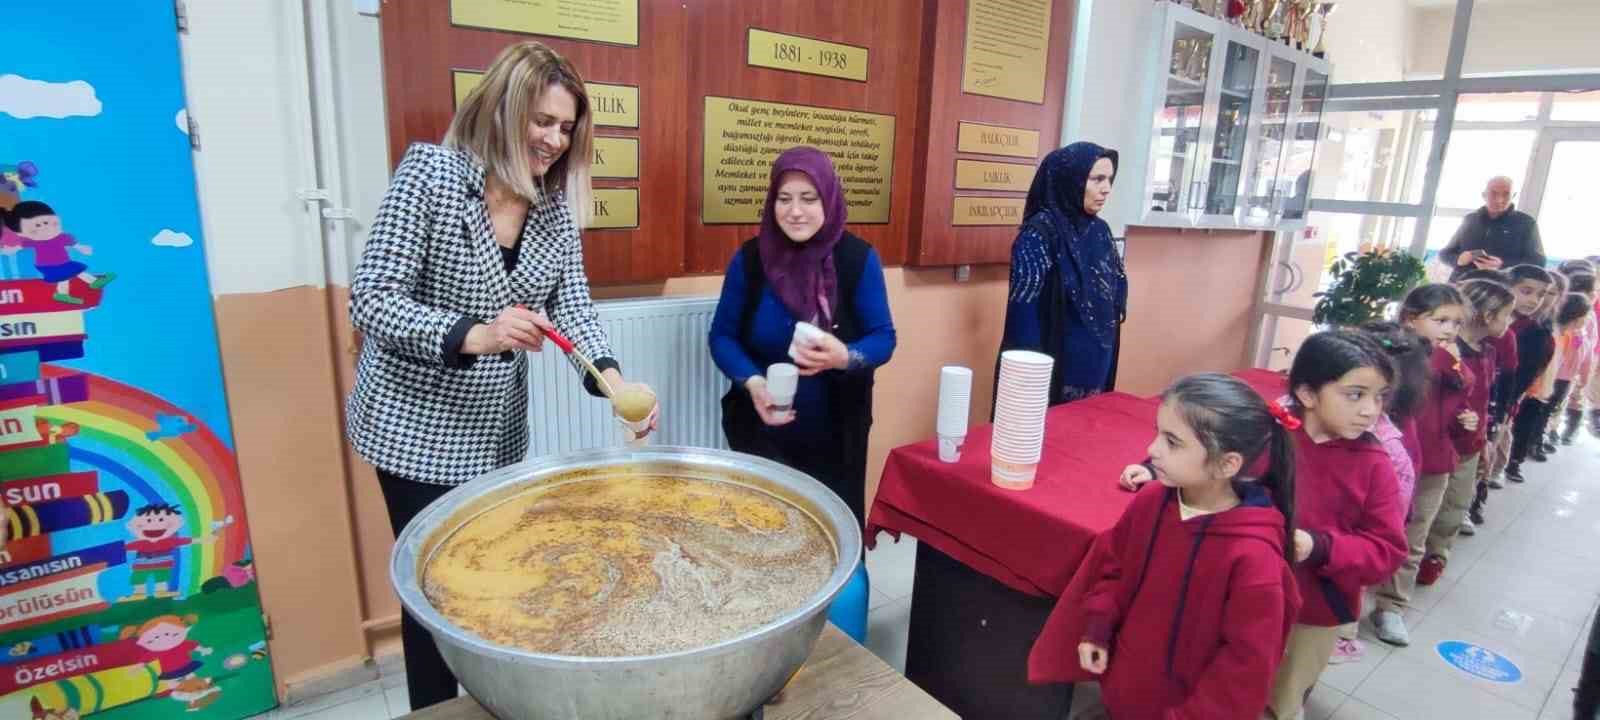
column 34, row 225
column 166, row 640
column 155, row 549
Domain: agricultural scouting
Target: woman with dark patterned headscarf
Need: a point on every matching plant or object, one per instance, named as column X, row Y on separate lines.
column 1069, row 292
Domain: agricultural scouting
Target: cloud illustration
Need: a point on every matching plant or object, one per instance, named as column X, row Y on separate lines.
column 23, row 98
column 183, row 121
column 171, row 238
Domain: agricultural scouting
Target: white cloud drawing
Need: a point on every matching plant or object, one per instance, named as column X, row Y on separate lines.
column 171, row 238
column 183, row 120
column 23, row 98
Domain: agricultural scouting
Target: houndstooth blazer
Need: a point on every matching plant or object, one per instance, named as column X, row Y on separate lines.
column 431, row 260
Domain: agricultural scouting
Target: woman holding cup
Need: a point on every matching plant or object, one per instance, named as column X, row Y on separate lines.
column 802, row 325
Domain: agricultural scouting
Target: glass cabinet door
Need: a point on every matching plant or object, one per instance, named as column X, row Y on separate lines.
column 1267, row 155
column 1232, row 123
column 1175, row 146
column 1302, row 149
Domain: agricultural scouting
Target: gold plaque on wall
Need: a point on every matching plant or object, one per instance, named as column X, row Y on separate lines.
column 1008, row 43
column 608, row 21
column 615, row 208
column 805, row 55
column 987, row 211
column 743, row 137
column 616, row 157
column 613, row 105
column 981, row 175
column 996, row 140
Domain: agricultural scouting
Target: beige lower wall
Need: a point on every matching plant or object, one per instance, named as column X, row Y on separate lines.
column 319, row 528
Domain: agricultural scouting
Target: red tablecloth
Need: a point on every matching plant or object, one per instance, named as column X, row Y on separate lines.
column 1031, row 540
column 1270, row 383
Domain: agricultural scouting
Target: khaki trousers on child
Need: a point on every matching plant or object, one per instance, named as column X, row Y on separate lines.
column 1394, row 594
column 1458, row 494
column 1303, row 662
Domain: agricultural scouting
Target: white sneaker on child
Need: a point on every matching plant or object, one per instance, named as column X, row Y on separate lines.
column 1391, row 628
column 1467, row 528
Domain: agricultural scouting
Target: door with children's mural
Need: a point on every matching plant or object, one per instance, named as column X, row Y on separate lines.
column 126, row 585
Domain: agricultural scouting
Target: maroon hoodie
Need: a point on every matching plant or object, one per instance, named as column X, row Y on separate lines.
column 1346, row 497
column 1482, row 363
column 1195, row 612
column 1448, row 383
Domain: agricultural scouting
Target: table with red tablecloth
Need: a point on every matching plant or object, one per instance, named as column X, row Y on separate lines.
column 990, row 561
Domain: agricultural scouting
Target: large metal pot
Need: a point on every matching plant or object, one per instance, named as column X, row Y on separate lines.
column 727, row 679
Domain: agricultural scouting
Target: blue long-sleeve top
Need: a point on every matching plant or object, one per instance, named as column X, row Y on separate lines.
column 773, row 328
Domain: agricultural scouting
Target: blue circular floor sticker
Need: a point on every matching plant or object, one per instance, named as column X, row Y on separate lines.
column 1479, row 662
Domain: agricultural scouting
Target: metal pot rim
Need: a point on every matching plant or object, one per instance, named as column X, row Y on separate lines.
column 402, row 561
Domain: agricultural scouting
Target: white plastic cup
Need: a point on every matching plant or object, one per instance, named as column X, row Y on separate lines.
column 782, row 381
column 955, row 399
column 950, row 447
column 805, row 335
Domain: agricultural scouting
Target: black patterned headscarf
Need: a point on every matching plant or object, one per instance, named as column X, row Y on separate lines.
column 1092, row 272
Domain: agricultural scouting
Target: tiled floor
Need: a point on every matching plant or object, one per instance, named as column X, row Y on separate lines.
column 1526, row 587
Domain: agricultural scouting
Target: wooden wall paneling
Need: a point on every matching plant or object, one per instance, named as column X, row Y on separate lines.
column 935, row 241
column 891, row 30
column 421, row 47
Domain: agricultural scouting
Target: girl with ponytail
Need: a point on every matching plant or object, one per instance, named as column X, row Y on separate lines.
column 1348, row 514
column 1183, row 607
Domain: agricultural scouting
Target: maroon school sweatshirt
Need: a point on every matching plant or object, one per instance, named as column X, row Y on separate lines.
column 1195, row 612
column 1448, row 383
column 1346, row 497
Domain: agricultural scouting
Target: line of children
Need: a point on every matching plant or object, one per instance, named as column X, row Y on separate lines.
column 1389, row 426
column 1342, row 528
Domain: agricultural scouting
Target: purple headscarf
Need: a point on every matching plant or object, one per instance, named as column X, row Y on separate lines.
column 802, row 274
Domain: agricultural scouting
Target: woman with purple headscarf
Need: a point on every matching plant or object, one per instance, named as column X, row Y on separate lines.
column 805, row 267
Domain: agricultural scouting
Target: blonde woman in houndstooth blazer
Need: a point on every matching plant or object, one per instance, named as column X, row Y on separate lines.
column 474, row 254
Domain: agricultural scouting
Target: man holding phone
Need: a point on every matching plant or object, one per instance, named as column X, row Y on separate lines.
column 1495, row 236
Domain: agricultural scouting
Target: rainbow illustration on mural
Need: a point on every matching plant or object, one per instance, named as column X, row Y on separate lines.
column 114, row 430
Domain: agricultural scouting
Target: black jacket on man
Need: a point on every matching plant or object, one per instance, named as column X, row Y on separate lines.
column 1513, row 237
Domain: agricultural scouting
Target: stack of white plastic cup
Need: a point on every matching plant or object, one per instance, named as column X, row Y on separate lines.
column 1021, row 398
column 782, row 381
column 955, row 402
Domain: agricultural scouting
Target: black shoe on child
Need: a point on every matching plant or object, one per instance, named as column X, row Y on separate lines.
column 1574, row 422
column 1539, row 454
column 1476, row 515
column 1514, row 473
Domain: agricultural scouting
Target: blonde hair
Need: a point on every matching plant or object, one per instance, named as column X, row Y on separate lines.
column 493, row 119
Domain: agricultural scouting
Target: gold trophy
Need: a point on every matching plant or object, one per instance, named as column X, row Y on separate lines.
column 1323, row 11
column 1271, row 25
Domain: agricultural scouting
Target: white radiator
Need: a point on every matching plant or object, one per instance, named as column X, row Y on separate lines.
column 659, row 342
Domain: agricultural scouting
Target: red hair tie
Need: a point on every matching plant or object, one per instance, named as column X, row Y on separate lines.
column 1282, row 414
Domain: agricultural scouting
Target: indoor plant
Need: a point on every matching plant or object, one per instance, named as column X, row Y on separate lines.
column 1364, row 283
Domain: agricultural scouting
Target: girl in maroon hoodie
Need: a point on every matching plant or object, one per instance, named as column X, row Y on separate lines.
column 1181, row 609
column 1436, row 313
column 1490, row 305
column 1347, row 503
